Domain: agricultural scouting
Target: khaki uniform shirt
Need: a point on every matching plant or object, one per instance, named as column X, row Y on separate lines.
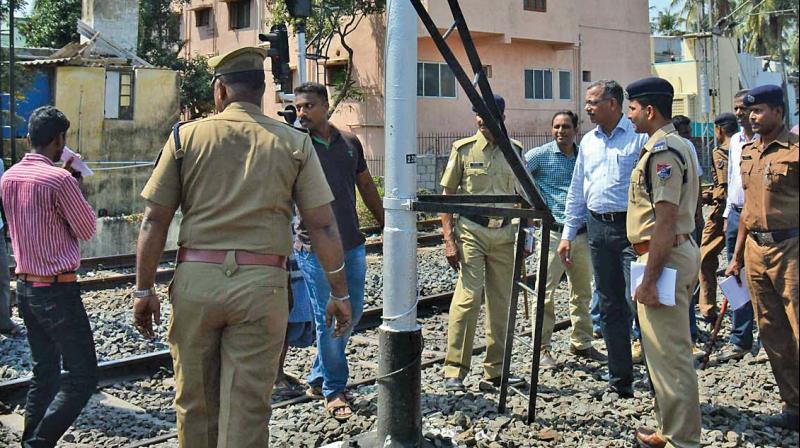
column 770, row 182
column 719, row 158
column 477, row 166
column 241, row 173
column 667, row 174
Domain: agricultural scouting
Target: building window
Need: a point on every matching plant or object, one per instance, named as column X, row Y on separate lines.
column 239, row 14
column 587, row 76
column 435, row 80
column 119, row 95
column 564, row 85
column 202, row 17
column 539, row 84
column 535, row 5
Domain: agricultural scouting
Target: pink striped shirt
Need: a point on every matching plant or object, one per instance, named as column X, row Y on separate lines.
column 47, row 215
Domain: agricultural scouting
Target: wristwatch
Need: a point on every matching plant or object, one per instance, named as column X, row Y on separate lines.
column 142, row 293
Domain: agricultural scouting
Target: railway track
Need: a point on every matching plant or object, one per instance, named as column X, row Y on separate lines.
column 165, row 275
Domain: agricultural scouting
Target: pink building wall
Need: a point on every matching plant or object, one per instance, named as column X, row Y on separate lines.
column 608, row 38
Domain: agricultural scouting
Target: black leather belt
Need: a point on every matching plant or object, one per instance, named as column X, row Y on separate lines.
column 490, row 223
column 768, row 238
column 560, row 228
column 737, row 208
column 610, row 217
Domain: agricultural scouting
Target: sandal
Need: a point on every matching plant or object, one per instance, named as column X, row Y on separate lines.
column 314, row 392
column 339, row 408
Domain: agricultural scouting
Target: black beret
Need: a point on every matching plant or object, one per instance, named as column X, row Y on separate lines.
column 768, row 93
column 725, row 118
column 501, row 104
column 649, row 86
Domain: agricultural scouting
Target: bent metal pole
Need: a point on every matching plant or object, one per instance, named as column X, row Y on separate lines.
column 399, row 414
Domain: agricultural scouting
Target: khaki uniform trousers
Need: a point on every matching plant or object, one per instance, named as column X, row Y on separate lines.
column 772, row 277
column 712, row 242
column 580, row 297
column 487, row 269
column 668, row 350
column 225, row 334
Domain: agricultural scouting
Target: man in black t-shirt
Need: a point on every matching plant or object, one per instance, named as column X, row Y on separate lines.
column 342, row 158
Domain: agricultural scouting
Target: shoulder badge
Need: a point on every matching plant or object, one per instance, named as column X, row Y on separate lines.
column 660, row 145
column 459, row 143
column 664, row 171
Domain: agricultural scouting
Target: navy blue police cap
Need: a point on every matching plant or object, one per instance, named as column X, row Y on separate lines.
column 648, row 87
column 766, row 94
column 725, row 118
column 501, row 104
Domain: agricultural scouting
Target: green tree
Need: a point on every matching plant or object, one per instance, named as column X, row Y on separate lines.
column 333, row 20
column 53, row 23
column 770, row 24
column 667, row 23
column 197, row 98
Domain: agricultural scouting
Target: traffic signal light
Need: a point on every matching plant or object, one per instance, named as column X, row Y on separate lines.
column 278, row 53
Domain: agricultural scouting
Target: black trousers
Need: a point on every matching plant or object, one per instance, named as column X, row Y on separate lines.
column 58, row 334
column 612, row 255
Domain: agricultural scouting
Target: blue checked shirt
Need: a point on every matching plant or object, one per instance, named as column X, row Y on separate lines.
column 602, row 174
column 552, row 171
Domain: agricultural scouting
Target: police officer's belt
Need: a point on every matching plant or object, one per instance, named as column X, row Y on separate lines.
column 243, row 257
column 485, row 221
column 644, row 247
column 767, row 238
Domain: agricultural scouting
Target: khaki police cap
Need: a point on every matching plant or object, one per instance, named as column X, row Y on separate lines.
column 243, row 59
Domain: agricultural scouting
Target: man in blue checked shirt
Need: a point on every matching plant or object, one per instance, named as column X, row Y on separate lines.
column 598, row 198
column 551, row 167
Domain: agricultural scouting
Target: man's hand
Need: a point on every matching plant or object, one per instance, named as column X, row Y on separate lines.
column 451, row 252
column 647, row 294
column 342, row 311
column 75, row 173
column 563, row 252
column 734, row 268
column 708, row 198
column 145, row 311
column 724, row 225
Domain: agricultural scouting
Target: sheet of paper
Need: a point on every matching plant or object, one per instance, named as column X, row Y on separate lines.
column 77, row 163
column 737, row 295
column 665, row 285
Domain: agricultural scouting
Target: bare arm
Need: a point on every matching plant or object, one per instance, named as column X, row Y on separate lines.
column 737, row 260
column 450, row 246
column 149, row 248
column 327, row 245
column 660, row 248
column 369, row 193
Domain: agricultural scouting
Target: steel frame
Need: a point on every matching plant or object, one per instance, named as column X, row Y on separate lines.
column 530, row 204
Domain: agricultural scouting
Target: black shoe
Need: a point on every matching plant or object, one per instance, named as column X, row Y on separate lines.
column 492, row 383
column 785, row 420
column 590, row 353
column 623, row 393
column 454, row 385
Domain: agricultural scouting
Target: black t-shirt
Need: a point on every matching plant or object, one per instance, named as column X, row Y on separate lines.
column 342, row 160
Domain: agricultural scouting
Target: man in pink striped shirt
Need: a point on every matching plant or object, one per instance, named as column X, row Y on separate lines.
column 47, row 215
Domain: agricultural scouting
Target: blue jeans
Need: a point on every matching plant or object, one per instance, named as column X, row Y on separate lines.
column 742, row 321
column 611, row 259
column 330, row 368
column 58, row 334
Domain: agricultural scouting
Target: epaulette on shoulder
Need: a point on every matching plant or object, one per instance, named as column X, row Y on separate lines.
column 176, row 137
column 460, row 143
column 659, row 146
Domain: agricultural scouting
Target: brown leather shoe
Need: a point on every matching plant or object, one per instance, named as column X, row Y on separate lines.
column 648, row 438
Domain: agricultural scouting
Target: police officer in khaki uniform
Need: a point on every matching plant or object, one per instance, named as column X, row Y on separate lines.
column 713, row 239
column 235, row 177
column 481, row 248
column 767, row 243
column 662, row 199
